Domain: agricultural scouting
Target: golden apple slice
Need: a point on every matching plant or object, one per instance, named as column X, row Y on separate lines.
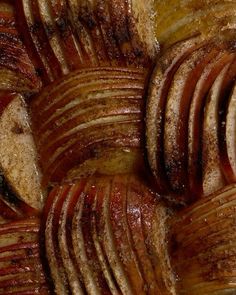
column 50, row 242
column 213, row 177
column 16, row 70
column 65, row 239
column 177, row 112
column 196, row 112
column 18, row 157
column 134, row 207
column 156, row 105
column 228, row 160
column 177, row 21
column 20, row 266
column 92, row 117
column 203, row 245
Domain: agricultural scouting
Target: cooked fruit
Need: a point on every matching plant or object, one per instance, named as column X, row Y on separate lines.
column 21, row 270
column 202, row 247
column 92, row 121
column 182, row 121
column 18, row 156
column 63, row 36
column 195, row 122
column 16, row 70
column 178, row 20
column 95, row 241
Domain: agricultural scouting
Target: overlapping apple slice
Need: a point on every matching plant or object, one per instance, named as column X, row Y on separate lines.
column 99, row 238
column 65, row 35
column 183, row 125
column 21, row 270
column 16, row 70
column 177, row 20
column 203, row 245
column 92, row 121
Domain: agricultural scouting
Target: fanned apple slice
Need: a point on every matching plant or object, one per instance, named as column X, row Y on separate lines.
column 20, row 266
column 177, row 112
column 134, row 203
column 195, row 121
column 213, row 178
column 112, row 32
column 106, row 235
column 228, row 159
column 18, row 157
column 156, row 105
column 36, row 41
column 107, row 272
column 203, row 251
column 88, row 120
column 16, row 70
column 122, row 235
column 50, row 241
column 65, row 239
column 83, row 246
column 154, row 216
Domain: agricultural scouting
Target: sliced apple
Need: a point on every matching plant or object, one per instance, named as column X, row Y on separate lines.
column 176, row 115
column 213, row 177
column 229, row 159
column 20, row 266
column 16, row 70
column 134, row 203
column 91, row 115
column 177, row 21
column 50, row 242
column 18, row 157
column 65, row 239
column 36, row 41
column 203, row 251
column 202, row 88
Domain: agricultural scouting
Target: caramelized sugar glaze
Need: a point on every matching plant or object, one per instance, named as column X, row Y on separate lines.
column 121, row 148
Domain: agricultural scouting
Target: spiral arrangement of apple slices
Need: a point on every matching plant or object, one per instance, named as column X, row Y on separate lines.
column 21, row 270
column 203, row 245
column 189, row 119
column 64, row 35
column 93, row 117
column 106, row 235
column 16, row 69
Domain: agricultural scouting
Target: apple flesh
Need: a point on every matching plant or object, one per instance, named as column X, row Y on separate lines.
column 202, row 247
column 88, row 120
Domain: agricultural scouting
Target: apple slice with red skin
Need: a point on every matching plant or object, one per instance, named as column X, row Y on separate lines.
column 50, row 242
column 213, row 177
column 195, row 121
column 71, row 48
column 203, row 252
column 135, row 192
column 176, row 115
column 83, row 246
column 65, row 238
column 122, row 235
column 156, row 105
column 226, row 125
column 106, row 235
column 20, row 265
column 229, row 160
column 107, row 272
column 34, row 36
column 16, row 70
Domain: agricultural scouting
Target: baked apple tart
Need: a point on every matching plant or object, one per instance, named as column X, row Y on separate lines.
column 118, row 147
